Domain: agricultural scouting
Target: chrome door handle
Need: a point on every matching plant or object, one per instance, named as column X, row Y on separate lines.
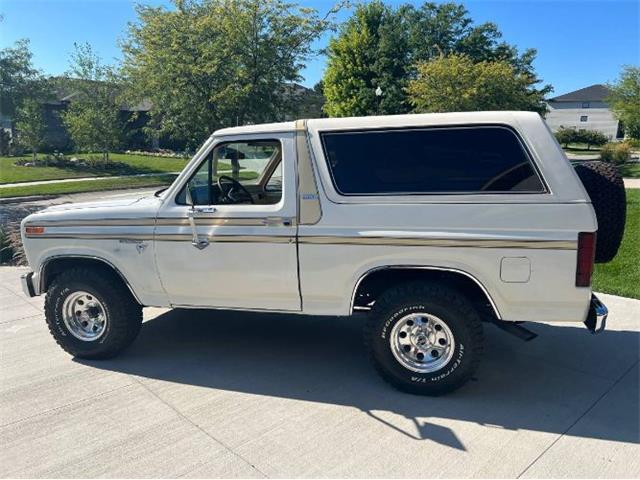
column 200, row 210
column 195, row 239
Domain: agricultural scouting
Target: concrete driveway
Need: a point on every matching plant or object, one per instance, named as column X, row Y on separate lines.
column 203, row 394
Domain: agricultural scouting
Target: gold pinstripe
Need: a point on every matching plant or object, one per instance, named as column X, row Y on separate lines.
column 166, row 221
column 439, row 242
column 327, row 240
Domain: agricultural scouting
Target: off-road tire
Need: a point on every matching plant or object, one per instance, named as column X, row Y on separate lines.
column 448, row 305
column 605, row 187
column 124, row 314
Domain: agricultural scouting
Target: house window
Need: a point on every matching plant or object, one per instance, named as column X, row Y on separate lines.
column 586, row 104
column 583, row 118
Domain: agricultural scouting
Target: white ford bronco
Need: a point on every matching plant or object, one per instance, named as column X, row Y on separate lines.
column 428, row 225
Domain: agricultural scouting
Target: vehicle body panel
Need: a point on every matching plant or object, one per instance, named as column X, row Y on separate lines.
column 254, row 262
column 251, row 262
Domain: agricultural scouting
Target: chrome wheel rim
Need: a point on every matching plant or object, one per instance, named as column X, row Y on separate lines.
column 422, row 342
column 84, row 316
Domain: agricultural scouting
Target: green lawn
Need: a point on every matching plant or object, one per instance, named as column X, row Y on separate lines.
column 86, row 186
column 622, row 275
column 11, row 173
column 630, row 170
column 581, row 147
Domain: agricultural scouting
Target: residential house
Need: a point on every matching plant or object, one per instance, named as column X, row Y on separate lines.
column 297, row 102
column 584, row 109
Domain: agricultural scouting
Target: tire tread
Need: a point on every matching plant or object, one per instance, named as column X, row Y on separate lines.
column 122, row 305
column 419, row 291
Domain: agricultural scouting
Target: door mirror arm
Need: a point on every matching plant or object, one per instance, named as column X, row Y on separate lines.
column 191, row 215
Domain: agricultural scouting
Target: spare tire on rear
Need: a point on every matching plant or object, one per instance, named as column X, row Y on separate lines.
column 606, row 189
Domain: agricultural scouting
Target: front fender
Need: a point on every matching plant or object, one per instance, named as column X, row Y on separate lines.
column 132, row 261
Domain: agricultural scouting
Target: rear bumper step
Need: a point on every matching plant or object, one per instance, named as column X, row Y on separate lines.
column 597, row 317
column 515, row 329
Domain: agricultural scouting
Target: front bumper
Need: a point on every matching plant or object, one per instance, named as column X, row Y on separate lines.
column 28, row 286
column 597, row 317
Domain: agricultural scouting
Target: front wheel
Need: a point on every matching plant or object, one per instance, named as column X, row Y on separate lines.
column 91, row 314
column 424, row 338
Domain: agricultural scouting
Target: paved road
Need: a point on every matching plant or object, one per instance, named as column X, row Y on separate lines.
column 203, row 394
column 632, row 182
column 82, row 179
column 13, row 210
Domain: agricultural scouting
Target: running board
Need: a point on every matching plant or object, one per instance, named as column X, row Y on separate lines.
column 515, row 329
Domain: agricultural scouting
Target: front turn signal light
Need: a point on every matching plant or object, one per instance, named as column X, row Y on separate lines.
column 30, row 230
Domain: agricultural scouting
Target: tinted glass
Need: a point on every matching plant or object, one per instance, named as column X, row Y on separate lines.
column 446, row 160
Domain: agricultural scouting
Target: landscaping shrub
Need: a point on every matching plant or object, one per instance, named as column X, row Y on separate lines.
column 618, row 153
column 88, row 164
column 5, row 142
column 11, row 250
column 161, row 152
column 593, row 137
column 633, row 142
column 565, row 136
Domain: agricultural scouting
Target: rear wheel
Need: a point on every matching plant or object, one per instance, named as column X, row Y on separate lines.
column 91, row 314
column 424, row 338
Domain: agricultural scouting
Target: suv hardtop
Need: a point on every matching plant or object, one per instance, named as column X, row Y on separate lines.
column 430, row 225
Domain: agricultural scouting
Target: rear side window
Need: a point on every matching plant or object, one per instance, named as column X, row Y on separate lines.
column 430, row 161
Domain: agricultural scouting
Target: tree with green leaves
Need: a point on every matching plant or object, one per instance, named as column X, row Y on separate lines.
column 217, row 63
column 381, row 46
column 565, row 136
column 456, row 83
column 20, row 83
column 593, row 138
column 30, row 126
column 446, row 28
column 368, row 64
column 625, row 100
column 19, row 79
column 93, row 116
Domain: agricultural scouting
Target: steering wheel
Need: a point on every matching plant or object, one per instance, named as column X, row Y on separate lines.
column 234, row 191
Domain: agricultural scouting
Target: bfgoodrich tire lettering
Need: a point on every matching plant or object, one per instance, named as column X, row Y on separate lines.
column 123, row 314
column 417, row 300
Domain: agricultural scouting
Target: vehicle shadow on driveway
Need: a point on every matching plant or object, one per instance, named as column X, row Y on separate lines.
column 543, row 385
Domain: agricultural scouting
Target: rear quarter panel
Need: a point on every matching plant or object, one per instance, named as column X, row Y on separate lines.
column 471, row 233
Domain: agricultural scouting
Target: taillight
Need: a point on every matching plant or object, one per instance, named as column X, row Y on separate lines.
column 586, row 256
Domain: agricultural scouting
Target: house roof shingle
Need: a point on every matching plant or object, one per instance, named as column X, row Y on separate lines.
column 592, row 93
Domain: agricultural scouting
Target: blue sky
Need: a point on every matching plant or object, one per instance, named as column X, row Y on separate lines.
column 579, row 42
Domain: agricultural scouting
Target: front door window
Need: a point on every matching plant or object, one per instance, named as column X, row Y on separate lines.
column 234, row 173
